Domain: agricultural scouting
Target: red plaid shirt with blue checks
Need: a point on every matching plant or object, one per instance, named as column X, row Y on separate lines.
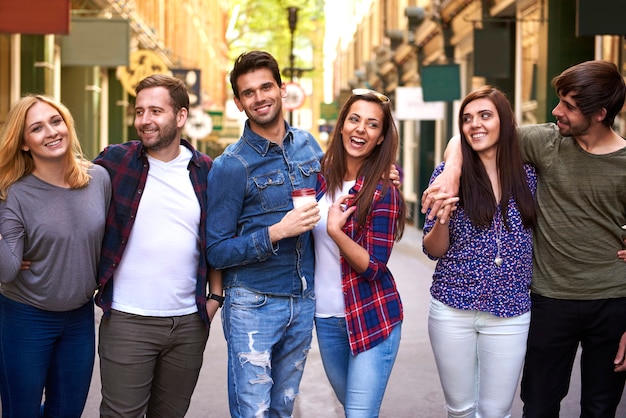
column 128, row 166
column 372, row 302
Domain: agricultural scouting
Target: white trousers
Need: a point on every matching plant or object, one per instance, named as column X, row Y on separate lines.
column 479, row 358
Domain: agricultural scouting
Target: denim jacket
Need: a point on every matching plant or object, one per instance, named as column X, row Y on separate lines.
column 249, row 189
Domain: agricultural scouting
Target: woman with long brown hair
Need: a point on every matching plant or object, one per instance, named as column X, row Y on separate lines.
column 359, row 313
column 480, row 310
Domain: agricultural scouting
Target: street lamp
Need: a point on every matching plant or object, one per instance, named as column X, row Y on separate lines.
column 293, row 22
column 292, row 71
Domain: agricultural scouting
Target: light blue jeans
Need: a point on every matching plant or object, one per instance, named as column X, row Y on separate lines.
column 359, row 381
column 268, row 339
column 479, row 358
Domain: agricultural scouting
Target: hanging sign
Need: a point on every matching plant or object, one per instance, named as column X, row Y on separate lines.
column 295, row 96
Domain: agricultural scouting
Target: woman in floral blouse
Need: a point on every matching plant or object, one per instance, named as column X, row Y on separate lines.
column 480, row 310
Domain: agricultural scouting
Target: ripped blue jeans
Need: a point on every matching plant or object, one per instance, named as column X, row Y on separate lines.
column 268, row 340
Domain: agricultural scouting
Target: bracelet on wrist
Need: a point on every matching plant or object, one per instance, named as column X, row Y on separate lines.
column 219, row 299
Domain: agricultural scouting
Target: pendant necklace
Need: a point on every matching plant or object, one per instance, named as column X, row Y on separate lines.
column 497, row 226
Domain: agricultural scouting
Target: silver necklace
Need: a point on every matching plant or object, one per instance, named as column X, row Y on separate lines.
column 497, row 226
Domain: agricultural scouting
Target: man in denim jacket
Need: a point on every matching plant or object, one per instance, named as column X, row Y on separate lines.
column 263, row 245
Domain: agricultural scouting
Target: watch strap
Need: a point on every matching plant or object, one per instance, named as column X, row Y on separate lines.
column 218, row 298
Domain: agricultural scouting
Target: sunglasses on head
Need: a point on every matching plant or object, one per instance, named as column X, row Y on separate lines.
column 379, row 96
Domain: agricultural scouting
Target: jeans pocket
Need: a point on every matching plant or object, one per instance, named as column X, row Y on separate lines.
column 241, row 298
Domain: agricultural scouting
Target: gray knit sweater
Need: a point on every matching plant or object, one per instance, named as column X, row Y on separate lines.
column 60, row 231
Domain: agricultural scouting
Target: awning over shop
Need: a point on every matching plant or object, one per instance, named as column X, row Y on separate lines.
column 35, row 17
column 94, row 41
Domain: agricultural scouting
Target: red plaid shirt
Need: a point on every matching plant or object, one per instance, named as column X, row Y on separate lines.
column 128, row 166
column 372, row 301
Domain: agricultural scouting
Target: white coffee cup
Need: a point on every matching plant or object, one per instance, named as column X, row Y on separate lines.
column 302, row 196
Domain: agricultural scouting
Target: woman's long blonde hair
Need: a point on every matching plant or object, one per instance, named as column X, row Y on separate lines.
column 15, row 163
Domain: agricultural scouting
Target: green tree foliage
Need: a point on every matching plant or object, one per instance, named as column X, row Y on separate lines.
column 264, row 25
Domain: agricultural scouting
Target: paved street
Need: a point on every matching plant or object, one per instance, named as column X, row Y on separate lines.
column 414, row 390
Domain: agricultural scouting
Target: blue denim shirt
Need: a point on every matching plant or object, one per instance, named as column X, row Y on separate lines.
column 249, row 189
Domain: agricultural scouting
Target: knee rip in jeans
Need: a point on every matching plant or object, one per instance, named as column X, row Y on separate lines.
column 263, row 408
column 299, row 365
column 466, row 413
column 290, row 396
column 256, row 358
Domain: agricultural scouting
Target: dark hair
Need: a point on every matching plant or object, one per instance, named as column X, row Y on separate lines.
column 595, row 85
column 375, row 166
column 476, row 194
column 251, row 61
column 176, row 87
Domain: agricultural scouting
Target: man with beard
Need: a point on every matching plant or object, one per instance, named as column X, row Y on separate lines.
column 578, row 291
column 153, row 273
column 263, row 244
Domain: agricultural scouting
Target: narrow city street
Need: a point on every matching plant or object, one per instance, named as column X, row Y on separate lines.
column 119, row 82
column 413, row 391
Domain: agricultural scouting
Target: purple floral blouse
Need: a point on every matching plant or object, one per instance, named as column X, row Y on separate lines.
column 467, row 276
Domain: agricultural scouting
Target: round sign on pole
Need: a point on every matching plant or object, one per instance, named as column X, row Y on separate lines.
column 199, row 124
column 295, row 96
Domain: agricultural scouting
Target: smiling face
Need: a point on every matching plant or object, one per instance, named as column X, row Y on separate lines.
column 481, row 125
column 45, row 133
column 362, row 130
column 156, row 122
column 261, row 98
column 569, row 118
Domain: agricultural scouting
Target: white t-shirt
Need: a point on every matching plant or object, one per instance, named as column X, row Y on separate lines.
column 157, row 274
column 329, row 299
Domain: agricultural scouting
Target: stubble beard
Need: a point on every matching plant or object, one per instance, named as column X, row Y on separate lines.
column 165, row 138
column 267, row 120
column 576, row 130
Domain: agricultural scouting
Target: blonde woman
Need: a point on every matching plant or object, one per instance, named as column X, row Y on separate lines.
column 53, row 205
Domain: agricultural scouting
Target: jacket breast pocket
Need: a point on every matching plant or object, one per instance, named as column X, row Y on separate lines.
column 310, row 168
column 273, row 192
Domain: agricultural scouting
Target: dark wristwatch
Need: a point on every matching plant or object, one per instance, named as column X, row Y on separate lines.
column 218, row 298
